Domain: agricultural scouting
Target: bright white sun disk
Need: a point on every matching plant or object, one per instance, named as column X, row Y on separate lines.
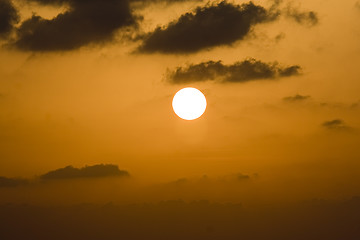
column 189, row 103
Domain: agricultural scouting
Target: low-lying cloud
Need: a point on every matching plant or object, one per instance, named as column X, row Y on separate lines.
column 11, row 182
column 296, row 98
column 96, row 171
column 244, row 71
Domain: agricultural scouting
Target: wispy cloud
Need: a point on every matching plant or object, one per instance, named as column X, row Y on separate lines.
column 336, row 124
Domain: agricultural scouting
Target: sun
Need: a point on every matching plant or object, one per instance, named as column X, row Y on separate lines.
column 189, row 103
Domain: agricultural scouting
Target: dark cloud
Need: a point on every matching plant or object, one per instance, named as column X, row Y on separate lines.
column 247, row 70
column 355, row 105
column 163, row 1
column 11, row 182
column 308, row 18
column 279, row 37
column 52, row 2
column 296, row 98
column 206, row 27
column 168, row 1
column 92, row 21
column 95, row 171
column 241, row 177
column 336, row 124
column 8, row 17
column 208, row 180
column 142, row 4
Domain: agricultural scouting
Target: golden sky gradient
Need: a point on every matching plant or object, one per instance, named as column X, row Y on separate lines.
column 108, row 102
column 90, row 147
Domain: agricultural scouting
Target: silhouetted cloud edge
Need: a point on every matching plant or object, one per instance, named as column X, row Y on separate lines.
column 12, row 182
column 213, row 25
column 296, row 98
column 95, row 171
column 8, row 18
column 336, row 124
column 84, row 23
column 247, row 70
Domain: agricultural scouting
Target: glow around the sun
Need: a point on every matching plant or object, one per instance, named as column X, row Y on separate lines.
column 189, row 103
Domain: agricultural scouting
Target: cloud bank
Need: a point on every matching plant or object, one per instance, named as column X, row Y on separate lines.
column 96, row 22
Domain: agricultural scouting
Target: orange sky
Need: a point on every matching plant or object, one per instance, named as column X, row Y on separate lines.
column 108, row 103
